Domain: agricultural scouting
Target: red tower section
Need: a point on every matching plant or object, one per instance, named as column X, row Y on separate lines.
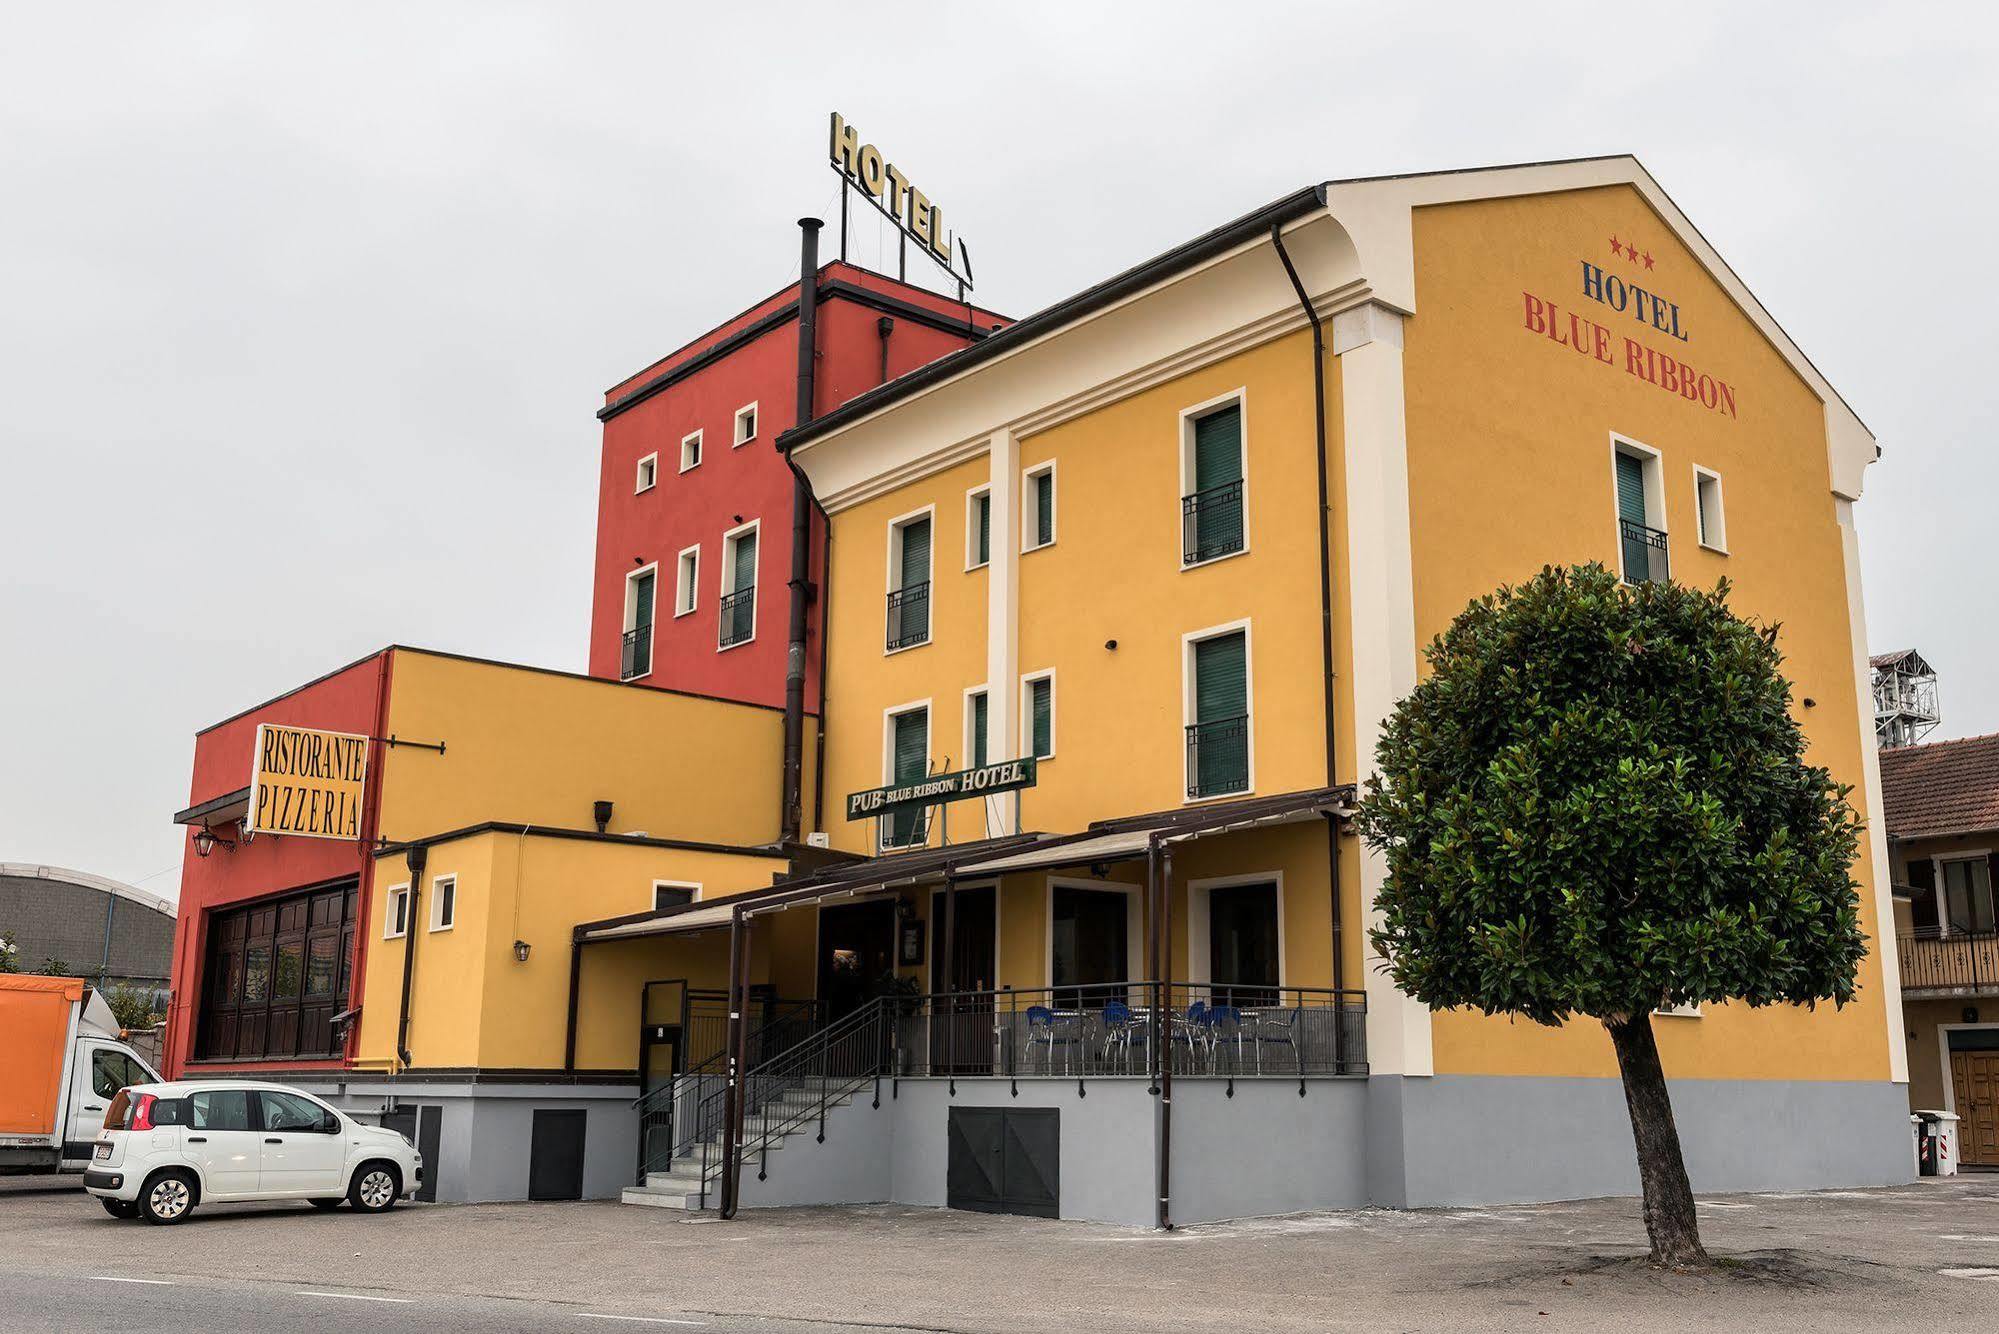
column 694, row 502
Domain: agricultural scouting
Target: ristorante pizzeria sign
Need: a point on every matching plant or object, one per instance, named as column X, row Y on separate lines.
column 984, row 781
column 307, row 781
column 1608, row 303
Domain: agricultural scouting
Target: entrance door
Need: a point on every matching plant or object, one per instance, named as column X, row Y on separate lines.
column 1004, row 1160
column 1090, row 945
column 1242, row 944
column 1974, row 1078
column 555, row 1153
column 856, row 953
column 659, row 1063
column 961, row 1026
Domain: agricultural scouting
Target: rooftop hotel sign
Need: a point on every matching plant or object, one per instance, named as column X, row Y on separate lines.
column 882, row 184
column 984, row 781
column 308, row 782
column 1609, row 300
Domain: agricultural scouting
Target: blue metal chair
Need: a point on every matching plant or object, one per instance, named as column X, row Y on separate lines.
column 1118, row 1026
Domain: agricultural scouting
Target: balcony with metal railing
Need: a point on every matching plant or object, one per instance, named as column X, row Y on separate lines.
column 1211, row 523
column 1960, row 963
column 1218, row 757
column 738, row 614
column 1644, row 551
column 909, row 616
column 635, row 655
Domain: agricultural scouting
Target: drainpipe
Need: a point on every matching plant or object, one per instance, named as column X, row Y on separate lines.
column 825, row 622
column 1166, row 1058
column 792, row 813
column 883, row 328
column 1325, row 627
column 415, row 856
column 732, row 1098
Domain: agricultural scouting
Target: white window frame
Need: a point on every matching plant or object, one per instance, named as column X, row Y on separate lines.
column 889, row 715
column 658, row 885
column 1200, row 941
column 1027, row 680
column 1187, row 701
column 1655, row 494
column 396, row 903
column 1188, row 417
column 726, row 581
column 1943, row 1058
column 736, row 436
column 646, row 476
column 1716, row 541
column 1940, row 878
column 1029, row 512
column 1679, row 1011
column 972, row 561
column 691, row 438
column 438, row 920
column 686, row 582
column 966, row 708
column 1134, row 928
column 631, row 612
column 894, row 576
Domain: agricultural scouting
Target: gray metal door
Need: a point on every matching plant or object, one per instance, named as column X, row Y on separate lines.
column 1004, row 1160
column 555, row 1154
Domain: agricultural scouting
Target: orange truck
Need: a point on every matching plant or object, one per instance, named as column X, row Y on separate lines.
column 61, row 1064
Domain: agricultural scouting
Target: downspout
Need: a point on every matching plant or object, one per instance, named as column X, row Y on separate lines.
column 792, row 814
column 732, row 1098
column 1166, row 1058
column 1325, row 628
column 825, row 634
column 416, row 856
column 883, row 328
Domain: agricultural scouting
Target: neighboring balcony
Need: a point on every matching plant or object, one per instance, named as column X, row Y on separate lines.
column 1963, row 963
column 909, row 616
column 738, row 611
column 1211, row 523
column 1218, row 758
column 635, row 657
column 1644, row 552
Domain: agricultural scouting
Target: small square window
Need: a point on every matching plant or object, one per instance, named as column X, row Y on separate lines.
column 648, row 475
column 443, row 902
column 690, row 452
column 1707, row 508
column 746, row 424
column 395, row 920
column 673, row 894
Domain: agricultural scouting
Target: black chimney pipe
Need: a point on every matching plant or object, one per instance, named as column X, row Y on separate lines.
column 792, row 815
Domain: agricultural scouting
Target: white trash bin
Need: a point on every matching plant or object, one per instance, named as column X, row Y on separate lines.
column 1936, row 1143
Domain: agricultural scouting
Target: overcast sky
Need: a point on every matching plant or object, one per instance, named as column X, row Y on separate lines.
column 304, row 312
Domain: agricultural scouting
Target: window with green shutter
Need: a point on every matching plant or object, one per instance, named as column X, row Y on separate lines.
column 1041, row 717
column 1211, row 517
column 1041, row 495
column 1642, row 547
column 909, row 600
column 1630, row 489
column 738, row 608
column 982, row 529
column 1218, row 738
column 910, row 744
column 635, row 658
column 979, row 730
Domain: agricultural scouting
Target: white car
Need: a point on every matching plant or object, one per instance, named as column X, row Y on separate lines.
column 166, row 1148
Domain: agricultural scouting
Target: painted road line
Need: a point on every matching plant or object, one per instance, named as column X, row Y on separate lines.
column 643, row 1319
column 1981, row 1275
column 113, row 1278
column 359, row 1297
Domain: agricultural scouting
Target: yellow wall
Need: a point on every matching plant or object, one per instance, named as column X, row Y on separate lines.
column 473, row 1004
column 1113, row 573
column 526, row 746
column 1510, row 469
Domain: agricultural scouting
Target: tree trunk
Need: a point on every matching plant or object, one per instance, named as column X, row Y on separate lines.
column 1669, row 1197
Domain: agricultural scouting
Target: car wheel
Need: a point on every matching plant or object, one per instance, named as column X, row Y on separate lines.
column 325, row 1204
column 168, row 1198
column 375, row 1188
column 120, row 1208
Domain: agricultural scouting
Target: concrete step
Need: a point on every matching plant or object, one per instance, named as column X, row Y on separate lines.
column 661, row 1198
column 679, row 1186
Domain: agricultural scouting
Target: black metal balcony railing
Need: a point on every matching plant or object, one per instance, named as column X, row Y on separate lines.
column 1644, row 552
column 739, row 615
column 1211, row 523
column 1218, row 757
column 906, row 827
column 1961, row 963
column 909, row 616
column 635, row 658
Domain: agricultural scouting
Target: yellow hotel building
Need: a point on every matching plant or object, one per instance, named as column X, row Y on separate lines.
column 1155, row 563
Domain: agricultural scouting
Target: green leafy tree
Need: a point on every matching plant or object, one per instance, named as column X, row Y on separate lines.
column 132, row 1006
column 1597, row 805
column 10, row 961
column 54, row 967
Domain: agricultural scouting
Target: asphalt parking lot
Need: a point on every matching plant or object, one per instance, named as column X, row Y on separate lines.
column 1917, row 1257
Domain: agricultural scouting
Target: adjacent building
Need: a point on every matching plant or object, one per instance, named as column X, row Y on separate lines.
column 1110, row 604
column 94, row 927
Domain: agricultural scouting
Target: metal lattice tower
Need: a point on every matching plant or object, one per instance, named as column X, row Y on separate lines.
column 1905, row 698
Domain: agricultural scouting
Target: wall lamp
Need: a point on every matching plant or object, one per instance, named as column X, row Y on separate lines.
column 205, row 841
column 521, row 948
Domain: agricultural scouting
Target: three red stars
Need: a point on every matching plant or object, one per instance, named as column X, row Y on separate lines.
column 1630, row 251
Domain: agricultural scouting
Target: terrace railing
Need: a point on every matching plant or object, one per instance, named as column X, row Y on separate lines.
column 1644, row 551
column 1211, row 523
column 738, row 615
column 1961, row 963
column 635, row 654
column 1217, row 757
column 909, row 616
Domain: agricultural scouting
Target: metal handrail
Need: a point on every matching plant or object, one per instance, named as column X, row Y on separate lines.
column 909, row 616
column 1959, row 960
column 1226, row 738
column 1645, row 547
column 1211, row 523
column 785, row 1022
column 738, row 612
column 637, row 644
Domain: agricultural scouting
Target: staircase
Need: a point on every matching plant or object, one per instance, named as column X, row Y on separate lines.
column 786, row 1096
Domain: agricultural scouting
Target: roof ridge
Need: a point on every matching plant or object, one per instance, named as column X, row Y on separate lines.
column 1933, row 745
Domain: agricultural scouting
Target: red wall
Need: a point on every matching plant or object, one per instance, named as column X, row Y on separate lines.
column 732, row 486
column 349, row 700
